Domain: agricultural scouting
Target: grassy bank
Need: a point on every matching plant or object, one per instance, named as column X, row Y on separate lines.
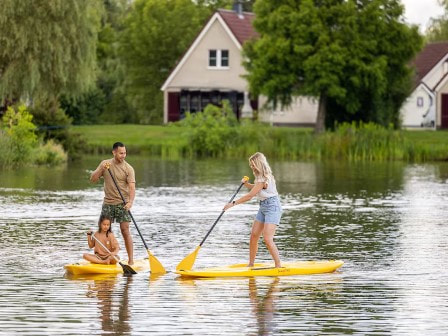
column 367, row 143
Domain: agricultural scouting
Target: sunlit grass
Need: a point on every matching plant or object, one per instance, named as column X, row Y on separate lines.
column 367, row 142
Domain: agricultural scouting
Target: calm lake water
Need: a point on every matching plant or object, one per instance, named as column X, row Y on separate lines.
column 387, row 221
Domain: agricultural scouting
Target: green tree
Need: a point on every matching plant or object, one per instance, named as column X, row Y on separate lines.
column 438, row 28
column 104, row 101
column 48, row 47
column 156, row 34
column 339, row 51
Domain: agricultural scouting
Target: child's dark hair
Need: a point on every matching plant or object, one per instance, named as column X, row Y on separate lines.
column 102, row 218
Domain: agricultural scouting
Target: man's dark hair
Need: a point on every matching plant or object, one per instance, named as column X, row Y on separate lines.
column 117, row 144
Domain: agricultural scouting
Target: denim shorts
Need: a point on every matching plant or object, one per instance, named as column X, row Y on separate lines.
column 270, row 211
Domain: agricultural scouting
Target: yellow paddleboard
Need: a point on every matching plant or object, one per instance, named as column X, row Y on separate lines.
column 265, row 269
column 86, row 267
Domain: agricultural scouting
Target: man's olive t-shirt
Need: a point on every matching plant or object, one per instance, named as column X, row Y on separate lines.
column 124, row 174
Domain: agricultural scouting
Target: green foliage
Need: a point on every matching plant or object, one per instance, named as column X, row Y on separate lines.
column 438, row 27
column 156, row 34
column 289, row 143
column 54, row 124
column 212, row 131
column 363, row 142
column 85, row 110
column 18, row 133
column 47, row 47
column 51, row 154
column 353, row 54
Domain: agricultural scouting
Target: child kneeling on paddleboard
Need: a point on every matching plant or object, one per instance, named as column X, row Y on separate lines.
column 107, row 238
column 270, row 212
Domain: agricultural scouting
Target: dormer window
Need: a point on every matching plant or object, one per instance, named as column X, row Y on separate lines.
column 218, row 58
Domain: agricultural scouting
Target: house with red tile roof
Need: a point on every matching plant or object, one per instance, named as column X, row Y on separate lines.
column 211, row 71
column 427, row 106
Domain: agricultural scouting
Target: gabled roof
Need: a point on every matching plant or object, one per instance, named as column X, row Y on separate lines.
column 241, row 26
column 238, row 27
column 428, row 58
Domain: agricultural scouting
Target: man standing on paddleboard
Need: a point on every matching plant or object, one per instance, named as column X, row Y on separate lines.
column 113, row 203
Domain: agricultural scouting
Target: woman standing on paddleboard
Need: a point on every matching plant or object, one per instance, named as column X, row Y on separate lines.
column 270, row 212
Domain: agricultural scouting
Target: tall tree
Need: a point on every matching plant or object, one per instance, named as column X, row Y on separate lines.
column 338, row 51
column 48, row 47
column 438, row 28
column 156, row 34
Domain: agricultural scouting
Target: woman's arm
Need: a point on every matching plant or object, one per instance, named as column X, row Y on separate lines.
column 255, row 190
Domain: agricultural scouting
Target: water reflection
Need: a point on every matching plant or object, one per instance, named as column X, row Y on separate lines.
column 112, row 298
column 263, row 306
column 387, row 221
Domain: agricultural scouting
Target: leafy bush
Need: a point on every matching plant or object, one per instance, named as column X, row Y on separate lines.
column 50, row 154
column 18, row 134
column 212, row 131
column 54, row 124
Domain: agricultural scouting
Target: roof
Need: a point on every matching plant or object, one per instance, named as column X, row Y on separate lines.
column 238, row 27
column 241, row 26
column 428, row 58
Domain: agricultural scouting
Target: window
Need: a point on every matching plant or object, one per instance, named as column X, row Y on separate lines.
column 218, row 58
column 212, row 58
column 224, row 58
column 419, row 101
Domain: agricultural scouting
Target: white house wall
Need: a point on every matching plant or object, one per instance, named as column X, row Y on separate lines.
column 434, row 76
column 411, row 113
column 303, row 111
column 195, row 73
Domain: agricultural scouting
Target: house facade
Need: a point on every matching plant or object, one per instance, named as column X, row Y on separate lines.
column 211, row 70
column 427, row 106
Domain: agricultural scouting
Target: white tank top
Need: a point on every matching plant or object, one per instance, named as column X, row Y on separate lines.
column 271, row 189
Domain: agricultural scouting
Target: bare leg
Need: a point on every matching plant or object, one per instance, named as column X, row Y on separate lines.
column 268, row 234
column 257, row 230
column 94, row 259
column 126, row 233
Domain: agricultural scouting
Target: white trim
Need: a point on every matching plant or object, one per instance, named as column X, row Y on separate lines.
column 430, row 73
column 441, row 83
column 204, row 31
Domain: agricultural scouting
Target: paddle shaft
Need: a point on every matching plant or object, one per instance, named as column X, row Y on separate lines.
column 222, row 213
column 129, row 211
column 104, row 247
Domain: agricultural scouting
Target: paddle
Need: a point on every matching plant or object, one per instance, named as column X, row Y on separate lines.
column 187, row 263
column 127, row 270
column 155, row 265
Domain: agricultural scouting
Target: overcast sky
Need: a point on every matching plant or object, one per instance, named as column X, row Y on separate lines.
column 420, row 11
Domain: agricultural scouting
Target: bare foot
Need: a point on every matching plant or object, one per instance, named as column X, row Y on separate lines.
column 131, row 262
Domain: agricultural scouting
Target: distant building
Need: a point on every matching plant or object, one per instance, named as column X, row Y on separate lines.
column 427, row 106
column 211, row 70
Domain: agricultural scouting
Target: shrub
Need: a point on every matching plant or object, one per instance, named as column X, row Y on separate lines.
column 18, row 133
column 50, row 154
column 212, row 131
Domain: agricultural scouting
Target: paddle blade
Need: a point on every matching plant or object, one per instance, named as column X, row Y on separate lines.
column 155, row 265
column 127, row 270
column 187, row 263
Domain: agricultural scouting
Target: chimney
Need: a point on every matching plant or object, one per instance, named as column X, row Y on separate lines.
column 238, row 8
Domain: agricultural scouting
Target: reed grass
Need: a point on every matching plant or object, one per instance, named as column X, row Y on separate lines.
column 352, row 142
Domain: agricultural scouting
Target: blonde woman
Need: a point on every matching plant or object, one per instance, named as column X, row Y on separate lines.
column 270, row 211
